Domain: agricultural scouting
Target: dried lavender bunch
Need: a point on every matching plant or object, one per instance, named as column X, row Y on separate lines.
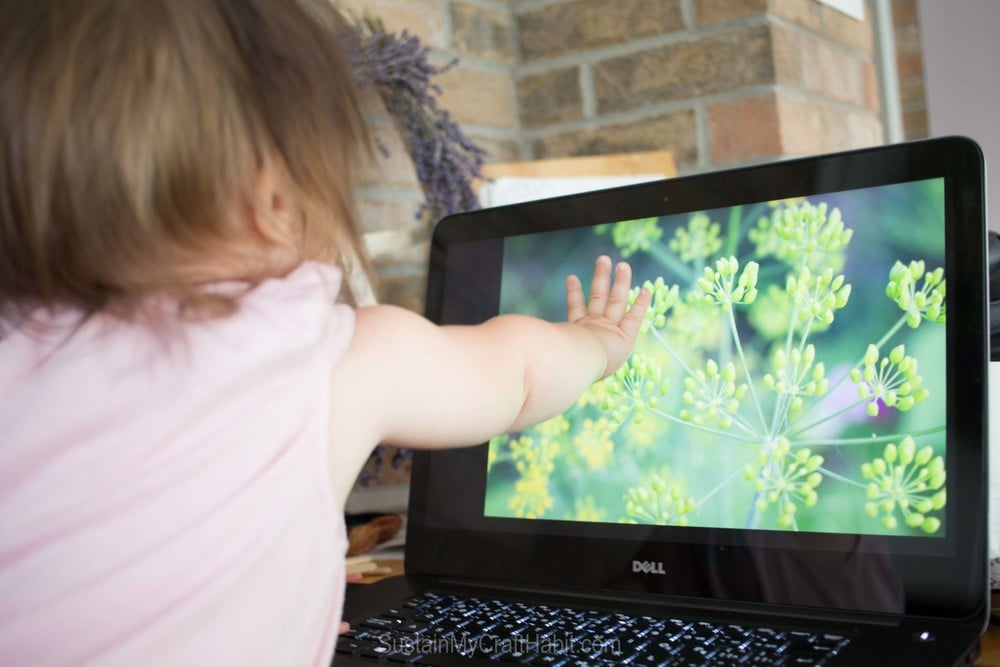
column 447, row 161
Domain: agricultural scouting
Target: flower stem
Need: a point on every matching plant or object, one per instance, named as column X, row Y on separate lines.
column 840, row 478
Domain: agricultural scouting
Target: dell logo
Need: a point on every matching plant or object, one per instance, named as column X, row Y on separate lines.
column 648, row 566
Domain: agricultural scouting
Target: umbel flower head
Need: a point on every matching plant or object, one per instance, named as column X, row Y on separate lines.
column 712, row 395
column 660, row 501
column 698, row 241
column 534, row 461
column 908, row 482
column 632, row 236
column 802, row 234
column 785, row 479
column 918, row 304
column 893, row 380
column 796, row 376
column 637, row 385
column 816, row 297
column 663, row 298
column 593, row 443
column 721, row 286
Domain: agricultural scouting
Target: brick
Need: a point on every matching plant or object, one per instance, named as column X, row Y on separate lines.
column 710, row 12
column 423, row 18
column 550, row 97
column 831, row 71
column 580, row 25
column 907, row 39
column 904, row 12
column 711, row 64
column 498, row 149
column 482, row 33
column 786, row 46
column 848, row 31
column 908, row 65
column 915, row 124
column 744, row 129
column 805, row 13
column 809, row 127
column 871, row 98
column 674, row 131
column 827, row 21
column 912, row 94
column 379, row 215
column 478, row 97
column 394, row 170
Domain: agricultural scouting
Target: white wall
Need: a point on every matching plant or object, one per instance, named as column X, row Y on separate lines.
column 962, row 74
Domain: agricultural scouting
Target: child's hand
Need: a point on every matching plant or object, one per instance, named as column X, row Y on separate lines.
column 606, row 314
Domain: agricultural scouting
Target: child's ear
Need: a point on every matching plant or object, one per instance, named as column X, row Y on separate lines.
column 274, row 214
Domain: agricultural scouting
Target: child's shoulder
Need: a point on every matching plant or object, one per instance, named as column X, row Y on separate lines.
column 296, row 311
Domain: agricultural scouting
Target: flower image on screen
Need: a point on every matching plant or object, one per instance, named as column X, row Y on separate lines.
column 789, row 375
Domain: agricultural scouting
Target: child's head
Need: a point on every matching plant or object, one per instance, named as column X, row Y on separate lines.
column 149, row 145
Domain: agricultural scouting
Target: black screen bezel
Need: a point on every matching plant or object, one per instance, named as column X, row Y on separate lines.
column 940, row 577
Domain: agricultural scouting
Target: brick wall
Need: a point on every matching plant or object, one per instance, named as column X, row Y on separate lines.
column 718, row 82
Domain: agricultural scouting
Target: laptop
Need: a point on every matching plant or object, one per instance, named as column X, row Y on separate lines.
column 788, row 470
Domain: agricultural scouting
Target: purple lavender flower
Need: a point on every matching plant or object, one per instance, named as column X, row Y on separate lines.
column 446, row 161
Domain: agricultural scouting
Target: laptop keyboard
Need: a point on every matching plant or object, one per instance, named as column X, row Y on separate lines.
column 442, row 630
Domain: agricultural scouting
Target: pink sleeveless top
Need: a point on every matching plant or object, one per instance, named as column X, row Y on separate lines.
column 172, row 505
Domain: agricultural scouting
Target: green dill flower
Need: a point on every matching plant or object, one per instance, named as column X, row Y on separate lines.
column 796, row 376
column 893, row 380
column 593, row 442
column 721, row 286
column 531, row 497
column 925, row 303
column 596, row 394
column 908, row 481
column 663, row 298
column 803, row 234
column 553, row 427
column 660, row 501
column 816, row 297
column 698, row 241
column 713, row 395
column 586, row 510
column 784, row 479
column 632, row 236
column 534, row 461
column 639, row 438
column 696, row 324
column 637, row 385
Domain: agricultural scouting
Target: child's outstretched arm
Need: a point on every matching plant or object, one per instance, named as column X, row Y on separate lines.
column 408, row 382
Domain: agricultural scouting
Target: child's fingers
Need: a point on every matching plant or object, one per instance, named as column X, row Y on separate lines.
column 576, row 305
column 344, row 627
column 599, row 287
column 632, row 320
column 618, row 298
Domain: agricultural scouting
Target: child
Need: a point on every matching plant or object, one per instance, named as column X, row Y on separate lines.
column 184, row 406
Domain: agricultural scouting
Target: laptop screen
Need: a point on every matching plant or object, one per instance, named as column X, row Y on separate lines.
column 802, row 421
column 790, row 374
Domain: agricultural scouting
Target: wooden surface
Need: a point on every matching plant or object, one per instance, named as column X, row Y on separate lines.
column 989, row 655
column 618, row 164
column 394, row 567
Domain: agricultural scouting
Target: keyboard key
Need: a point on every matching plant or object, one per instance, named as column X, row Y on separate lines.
column 452, row 628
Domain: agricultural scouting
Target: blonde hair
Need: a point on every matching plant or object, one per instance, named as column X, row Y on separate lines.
column 129, row 129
